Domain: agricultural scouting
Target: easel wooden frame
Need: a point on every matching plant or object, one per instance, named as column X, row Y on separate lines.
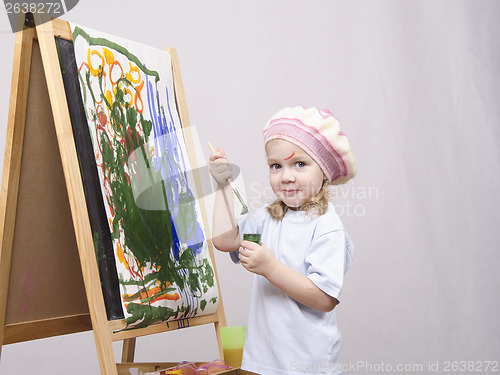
column 96, row 319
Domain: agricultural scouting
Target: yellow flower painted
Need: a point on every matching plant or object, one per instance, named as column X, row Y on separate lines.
column 108, row 55
column 94, row 71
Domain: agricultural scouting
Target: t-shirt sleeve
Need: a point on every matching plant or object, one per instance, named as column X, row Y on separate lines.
column 328, row 260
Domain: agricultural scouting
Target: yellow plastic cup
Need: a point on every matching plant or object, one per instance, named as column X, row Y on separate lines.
column 233, row 340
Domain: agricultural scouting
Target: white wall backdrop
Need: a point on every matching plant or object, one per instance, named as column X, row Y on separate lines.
column 416, row 86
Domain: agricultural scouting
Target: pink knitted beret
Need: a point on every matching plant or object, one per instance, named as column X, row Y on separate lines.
column 318, row 133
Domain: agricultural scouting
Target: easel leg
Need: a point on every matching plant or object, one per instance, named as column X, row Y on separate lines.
column 128, row 350
column 12, row 161
column 102, row 333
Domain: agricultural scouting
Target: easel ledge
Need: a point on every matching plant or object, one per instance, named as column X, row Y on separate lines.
column 43, row 328
column 105, row 332
column 142, row 368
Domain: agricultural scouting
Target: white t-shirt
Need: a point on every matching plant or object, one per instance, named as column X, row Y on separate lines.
column 284, row 336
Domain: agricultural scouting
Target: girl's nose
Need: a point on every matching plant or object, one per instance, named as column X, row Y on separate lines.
column 287, row 175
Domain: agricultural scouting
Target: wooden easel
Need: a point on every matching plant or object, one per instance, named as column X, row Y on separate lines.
column 49, row 280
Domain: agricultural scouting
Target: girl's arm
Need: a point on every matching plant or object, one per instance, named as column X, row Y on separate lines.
column 225, row 233
column 260, row 260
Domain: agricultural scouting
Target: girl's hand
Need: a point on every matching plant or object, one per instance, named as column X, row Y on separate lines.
column 258, row 259
column 219, row 167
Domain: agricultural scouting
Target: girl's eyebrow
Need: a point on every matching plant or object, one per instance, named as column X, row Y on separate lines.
column 293, row 153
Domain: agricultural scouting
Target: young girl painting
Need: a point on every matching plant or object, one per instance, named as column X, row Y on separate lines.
column 299, row 265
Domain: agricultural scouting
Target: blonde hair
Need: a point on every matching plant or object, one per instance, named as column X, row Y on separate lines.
column 315, row 206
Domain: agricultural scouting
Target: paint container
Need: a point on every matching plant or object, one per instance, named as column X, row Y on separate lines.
column 233, row 340
column 253, row 237
column 164, row 372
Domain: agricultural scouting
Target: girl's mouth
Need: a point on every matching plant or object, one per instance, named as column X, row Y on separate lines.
column 290, row 192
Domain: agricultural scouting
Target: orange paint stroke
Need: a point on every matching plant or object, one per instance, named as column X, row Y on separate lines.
column 115, row 63
column 84, row 64
column 170, row 297
column 293, row 153
column 121, row 256
column 137, row 96
column 155, row 293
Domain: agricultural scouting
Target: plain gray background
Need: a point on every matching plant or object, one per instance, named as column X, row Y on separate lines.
column 415, row 85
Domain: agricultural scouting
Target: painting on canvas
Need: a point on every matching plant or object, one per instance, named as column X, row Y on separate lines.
column 160, row 246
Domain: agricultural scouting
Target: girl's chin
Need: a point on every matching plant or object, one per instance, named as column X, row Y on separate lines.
column 293, row 203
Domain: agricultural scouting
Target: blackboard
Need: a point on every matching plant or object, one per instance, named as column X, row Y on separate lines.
column 93, row 195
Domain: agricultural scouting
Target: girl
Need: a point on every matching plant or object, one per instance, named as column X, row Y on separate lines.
column 305, row 250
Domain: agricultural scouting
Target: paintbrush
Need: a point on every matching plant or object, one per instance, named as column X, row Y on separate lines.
column 244, row 207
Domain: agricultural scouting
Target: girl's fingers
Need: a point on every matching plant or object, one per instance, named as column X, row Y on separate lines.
column 221, row 167
column 218, row 154
column 249, row 245
column 222, row 152
column 244, row 252
column 218, row 158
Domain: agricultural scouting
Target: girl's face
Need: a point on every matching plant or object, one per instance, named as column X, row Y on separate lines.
column 294, row 176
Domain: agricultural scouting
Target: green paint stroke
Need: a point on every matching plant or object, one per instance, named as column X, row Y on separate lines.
column 144, row 315
column 78, row 31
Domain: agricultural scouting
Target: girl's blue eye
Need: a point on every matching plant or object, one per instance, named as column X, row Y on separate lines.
column 275, row 166
column 300, row 164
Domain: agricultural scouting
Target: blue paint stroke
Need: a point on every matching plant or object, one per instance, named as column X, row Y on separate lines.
column 169, row 161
